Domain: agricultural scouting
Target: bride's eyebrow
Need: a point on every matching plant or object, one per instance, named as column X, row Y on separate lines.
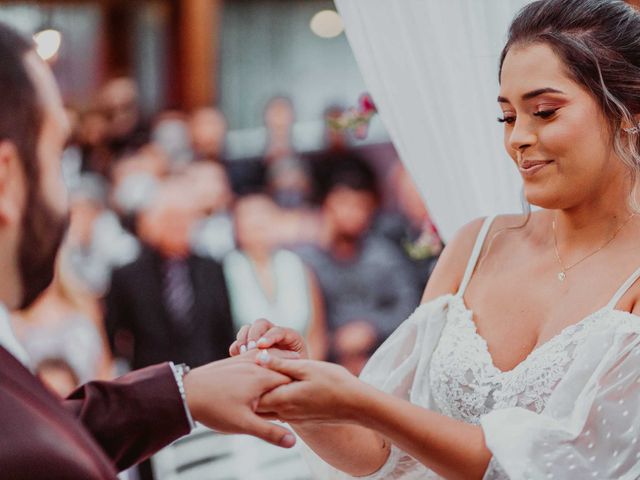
column 533, row 94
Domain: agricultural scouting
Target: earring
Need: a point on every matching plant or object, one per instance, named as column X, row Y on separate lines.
column 633, row 130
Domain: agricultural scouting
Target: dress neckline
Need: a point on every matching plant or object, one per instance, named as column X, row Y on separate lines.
column 471, row 266
column 566, row 331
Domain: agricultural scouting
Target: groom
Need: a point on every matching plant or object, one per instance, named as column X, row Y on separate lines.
column 103, row 426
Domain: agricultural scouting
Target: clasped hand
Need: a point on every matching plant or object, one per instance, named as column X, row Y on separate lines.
column 315, row 391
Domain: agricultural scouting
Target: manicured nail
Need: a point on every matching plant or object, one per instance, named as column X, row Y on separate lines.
column 251, row 345
column 243, row 349
column 262, row 341
column 263, row 357
column 288, row 441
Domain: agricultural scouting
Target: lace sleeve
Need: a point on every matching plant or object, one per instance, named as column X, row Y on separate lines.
column 590, row 427
column 399, row 367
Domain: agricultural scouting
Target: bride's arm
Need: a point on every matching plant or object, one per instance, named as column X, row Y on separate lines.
column 357, row 449
column 362, row 418
column 362, row 449
column 353, row 449
column 452, row 448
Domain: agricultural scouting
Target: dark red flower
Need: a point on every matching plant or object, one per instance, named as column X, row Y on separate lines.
column 367, row 106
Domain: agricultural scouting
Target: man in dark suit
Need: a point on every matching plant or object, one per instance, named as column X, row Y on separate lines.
column 172, row 304
column 103, row 426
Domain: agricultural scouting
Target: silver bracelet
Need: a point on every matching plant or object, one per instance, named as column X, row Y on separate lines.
column 179, row 371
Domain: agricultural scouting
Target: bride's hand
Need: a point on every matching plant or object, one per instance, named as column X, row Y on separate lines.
column 321, row 392
column 263, row 334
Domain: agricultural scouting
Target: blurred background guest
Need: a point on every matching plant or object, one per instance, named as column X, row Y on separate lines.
column 269, row 282
column 126, row 129
column 170, row 132
column 169, row 304
column 208, row 130
column 287, row 177
column 58, row 376
column 96, row 242
column 410, row 228
column 367, row 288
column 65, row 324
column 212, row 236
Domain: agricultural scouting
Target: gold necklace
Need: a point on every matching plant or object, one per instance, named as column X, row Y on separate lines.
column 562, row 274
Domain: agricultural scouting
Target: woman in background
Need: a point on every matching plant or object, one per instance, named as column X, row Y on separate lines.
column 268, row 282
column 65, row 324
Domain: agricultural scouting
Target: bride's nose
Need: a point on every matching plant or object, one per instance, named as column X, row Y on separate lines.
column 522, row 136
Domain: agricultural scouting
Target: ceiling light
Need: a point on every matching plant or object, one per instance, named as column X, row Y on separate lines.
column 327, row 24
column 48, row 43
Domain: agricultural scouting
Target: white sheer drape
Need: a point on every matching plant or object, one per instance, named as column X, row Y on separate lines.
column 431, row 67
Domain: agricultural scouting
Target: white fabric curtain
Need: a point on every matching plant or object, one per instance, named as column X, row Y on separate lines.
column 431, row 67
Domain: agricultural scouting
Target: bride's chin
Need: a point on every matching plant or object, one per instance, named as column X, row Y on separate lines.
column 545, row 198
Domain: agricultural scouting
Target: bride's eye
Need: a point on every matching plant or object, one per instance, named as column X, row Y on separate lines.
column 508, row 119
column 545, row 113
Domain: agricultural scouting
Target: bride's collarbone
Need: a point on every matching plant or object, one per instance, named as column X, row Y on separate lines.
column 516, row 314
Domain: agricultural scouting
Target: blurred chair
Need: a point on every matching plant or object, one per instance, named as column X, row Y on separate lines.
column 207, row 455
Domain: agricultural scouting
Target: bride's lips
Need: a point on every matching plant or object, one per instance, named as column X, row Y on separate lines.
column 531, row 167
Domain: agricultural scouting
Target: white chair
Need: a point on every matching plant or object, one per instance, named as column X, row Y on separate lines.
column 208, row 455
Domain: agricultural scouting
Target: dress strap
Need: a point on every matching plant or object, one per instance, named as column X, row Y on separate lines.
column 623, row 289
column 475, row 253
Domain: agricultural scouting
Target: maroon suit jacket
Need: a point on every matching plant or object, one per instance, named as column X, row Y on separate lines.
column 100, row 428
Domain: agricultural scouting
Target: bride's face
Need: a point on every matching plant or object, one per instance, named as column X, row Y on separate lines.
column 554, row 131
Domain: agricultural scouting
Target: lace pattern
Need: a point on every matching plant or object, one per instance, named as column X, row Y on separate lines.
column 466, row 384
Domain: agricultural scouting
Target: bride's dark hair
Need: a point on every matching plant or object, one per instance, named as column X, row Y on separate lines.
column 599, row 43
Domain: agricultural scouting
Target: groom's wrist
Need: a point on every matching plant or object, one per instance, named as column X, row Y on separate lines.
column 180, row 371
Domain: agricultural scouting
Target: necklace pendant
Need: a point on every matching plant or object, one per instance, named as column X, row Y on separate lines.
column 562, row 276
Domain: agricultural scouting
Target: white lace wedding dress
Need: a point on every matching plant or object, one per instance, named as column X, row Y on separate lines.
column 570, row 410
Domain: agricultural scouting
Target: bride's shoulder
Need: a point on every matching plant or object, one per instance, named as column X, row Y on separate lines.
column 462, row 244
column 449, row 271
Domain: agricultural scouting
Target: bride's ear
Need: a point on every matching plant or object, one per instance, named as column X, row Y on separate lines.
column 12, row 185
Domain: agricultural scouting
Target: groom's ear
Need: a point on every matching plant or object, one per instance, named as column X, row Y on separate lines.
column 12, row 185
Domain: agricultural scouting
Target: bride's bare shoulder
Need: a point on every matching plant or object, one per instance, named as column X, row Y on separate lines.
column 448, row 273
column 449, row 270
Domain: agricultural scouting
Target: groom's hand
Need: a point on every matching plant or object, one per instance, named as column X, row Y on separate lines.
column 263, row 334
column 224, row 396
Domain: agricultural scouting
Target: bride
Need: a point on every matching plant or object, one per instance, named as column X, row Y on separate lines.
column 523, row 360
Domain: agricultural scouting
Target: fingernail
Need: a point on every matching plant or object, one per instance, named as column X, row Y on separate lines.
column 243, row 349
column 251, row 345
column 262, row 341
column 263, row 357
column 288, row 441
